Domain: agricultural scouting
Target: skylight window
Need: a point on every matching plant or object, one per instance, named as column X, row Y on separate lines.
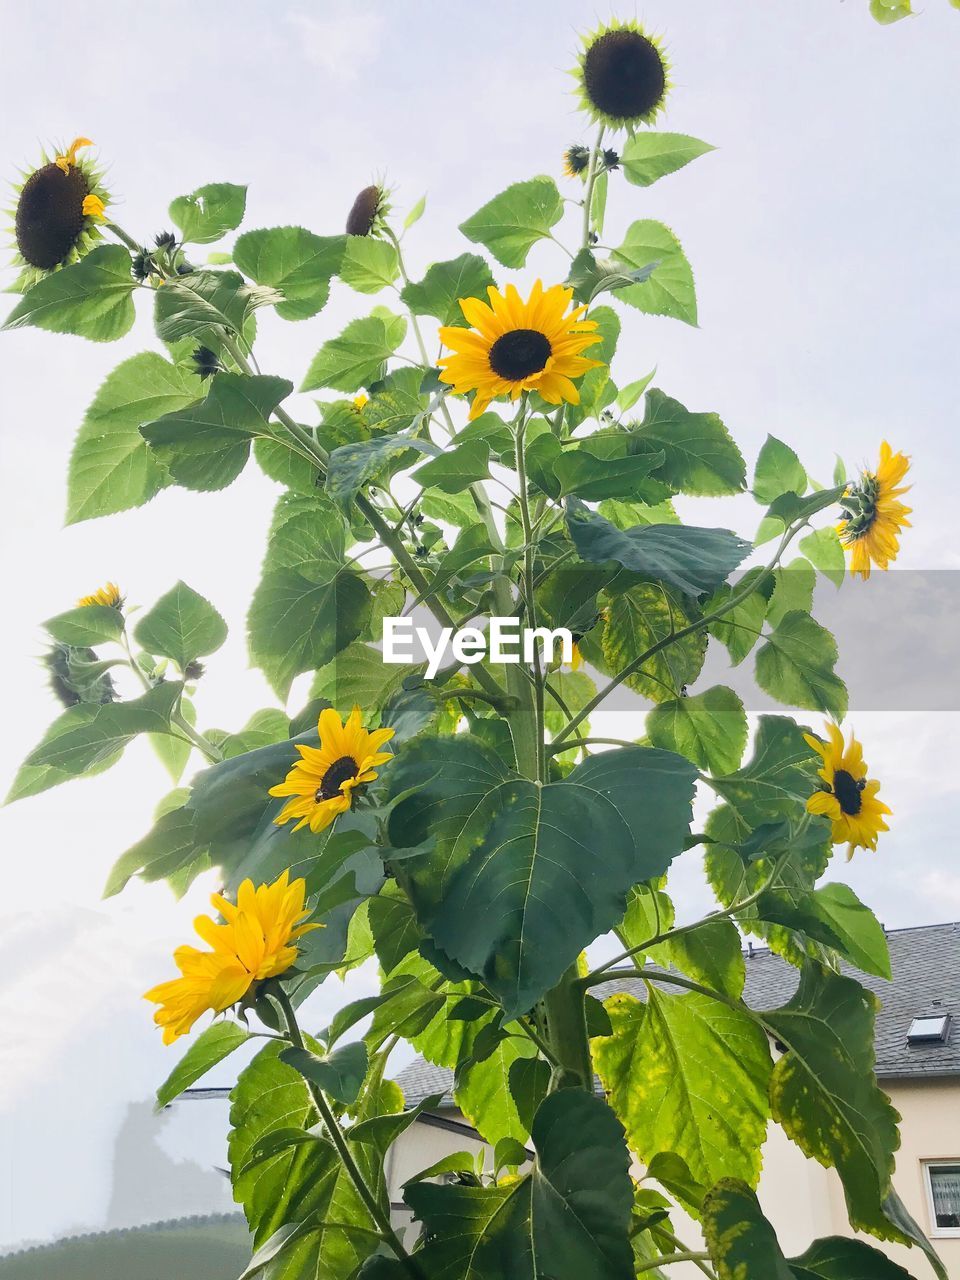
column 931, row 1028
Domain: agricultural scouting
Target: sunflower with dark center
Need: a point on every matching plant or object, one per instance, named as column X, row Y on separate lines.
column 515, row 346
column 623, row 75
column 322, row 783
column 57, row 217
column 848, row 797
column 368, row 211
column 874, row 515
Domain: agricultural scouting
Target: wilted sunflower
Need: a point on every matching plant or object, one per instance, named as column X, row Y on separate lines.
column 517, row 346
column 57, row 214
column 108, row 595
column 873, row 514
column 368, row 211
column 848, row 798
column 258, row 941
column 323, row 780
column 623, row 75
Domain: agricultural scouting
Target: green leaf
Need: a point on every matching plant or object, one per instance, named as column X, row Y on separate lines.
column 568, row 1219
column 824, row 1094
column 578, row 470
column 791, row 507
column 740, row 627
column 287, row 1179
column 208, row 213
column 513, row 221
column 483, row 1094
column 456, row 468
column 688, row 1074
column 299, row 264
column 511, row 906
column 207, row 445
column 712, row 955
column 92, row 298
column 638, row 620
column 825, row 552
column 438, row 293
column 356, row 357
column 88, row 624
column 838, row 1258
column 309, row 604
column 796, row 664
column 887, row 11
column 670, row 290
column 648, row 156
column 793, row 586
column 368, row 264
column 214, row 1044
column 695, row 561
column 352, row 466
column 778, row 471
column 708, row 728
column 778, row 778
column 90, row 737
column 182, row 625
column 339, row 1074
column 742, row 1243
column 111, row 466
column 359, row 675
column 590, row 276
column 202, row 305
column 835, row 916
column 700, row 457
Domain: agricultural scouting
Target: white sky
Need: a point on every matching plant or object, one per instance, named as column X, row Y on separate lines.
column 822, row 234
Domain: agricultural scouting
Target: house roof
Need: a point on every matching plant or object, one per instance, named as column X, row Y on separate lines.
column 925, row 961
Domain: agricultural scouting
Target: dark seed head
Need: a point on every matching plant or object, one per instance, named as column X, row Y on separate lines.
column 205, row 362
column 848, row 791
column 575, row 159
column 518, row 354
column 624, row 74
column 49, row 219
column 165, row 240
column 338, row 773
column 364, row 211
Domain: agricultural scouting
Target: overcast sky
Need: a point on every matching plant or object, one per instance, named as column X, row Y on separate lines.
column 823, row 237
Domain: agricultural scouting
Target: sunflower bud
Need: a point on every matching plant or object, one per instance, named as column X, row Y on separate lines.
column 205, row 363
column 576, row 158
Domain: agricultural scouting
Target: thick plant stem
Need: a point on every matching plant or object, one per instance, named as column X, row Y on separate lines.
column 370, row 1202
column 567, row 1032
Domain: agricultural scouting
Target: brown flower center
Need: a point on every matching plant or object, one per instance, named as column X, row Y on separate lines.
column 848, row 791
column 624, row 74
column 50, row 217
column 519, row 353
column 338, row 773
column 363, row 212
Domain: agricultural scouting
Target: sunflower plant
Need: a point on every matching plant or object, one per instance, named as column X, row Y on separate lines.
column 474, row 448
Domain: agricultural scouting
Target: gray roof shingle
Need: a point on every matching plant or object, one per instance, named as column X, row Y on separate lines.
column 925, row 960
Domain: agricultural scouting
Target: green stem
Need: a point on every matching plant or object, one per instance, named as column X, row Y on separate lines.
column 667, row 1259
column 370, row 1202
column 588, row 189
column 204, row 745
column 528, row 577
column 566, row 1023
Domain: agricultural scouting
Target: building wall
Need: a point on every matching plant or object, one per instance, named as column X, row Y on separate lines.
column 803, row 1200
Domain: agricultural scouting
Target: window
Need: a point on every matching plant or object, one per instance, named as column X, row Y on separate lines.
column 943, row 1193
column 929, row 1029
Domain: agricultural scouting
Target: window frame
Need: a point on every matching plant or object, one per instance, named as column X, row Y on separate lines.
column 927, row 1166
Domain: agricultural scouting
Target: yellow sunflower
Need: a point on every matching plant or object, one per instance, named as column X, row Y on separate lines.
column 322, row 782
column 848, row 798
column 517, row 346
column 576, row 160
column 59, row 206
column 257, row 941
column 623, row 75
column 107, row 595
column 873, row 514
